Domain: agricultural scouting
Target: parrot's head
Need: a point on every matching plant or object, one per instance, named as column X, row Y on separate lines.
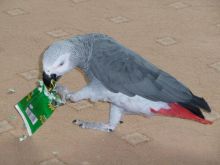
column 56, row 62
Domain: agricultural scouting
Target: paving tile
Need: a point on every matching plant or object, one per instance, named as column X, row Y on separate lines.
column 166, row 41
column 55, row 153
column 11, row 91
column 85, row 163
column 81, row 105
column 136, row 138
column 119, row 19
column 179, row 5
column 57, row 33
column 214, row 115
column 15, row 12
column 216, row 66
column 30, row 75
column 5, row 126
column 53, row 161
column 79, row 1
column 18, row 132
column 12, row 118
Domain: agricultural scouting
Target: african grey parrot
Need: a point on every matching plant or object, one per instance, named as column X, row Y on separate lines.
column 117, row 75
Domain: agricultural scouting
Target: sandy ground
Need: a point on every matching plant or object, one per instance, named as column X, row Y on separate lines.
column 181, row 37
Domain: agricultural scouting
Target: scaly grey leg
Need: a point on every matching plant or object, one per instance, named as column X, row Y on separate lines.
column 114, row 119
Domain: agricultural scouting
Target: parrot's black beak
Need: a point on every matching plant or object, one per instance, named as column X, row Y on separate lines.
column 49, row 80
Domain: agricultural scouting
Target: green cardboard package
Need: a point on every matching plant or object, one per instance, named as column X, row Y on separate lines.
column 37, row 107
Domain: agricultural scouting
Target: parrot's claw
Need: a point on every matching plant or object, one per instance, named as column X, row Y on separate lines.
column 93, row 125
column 62, row 91
column 73, row 97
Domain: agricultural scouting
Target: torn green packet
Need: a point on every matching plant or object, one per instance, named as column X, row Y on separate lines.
column 37, row 107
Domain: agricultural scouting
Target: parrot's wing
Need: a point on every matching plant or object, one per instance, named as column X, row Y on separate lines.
column 121, row 70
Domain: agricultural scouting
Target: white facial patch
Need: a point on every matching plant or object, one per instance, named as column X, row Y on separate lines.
column 60, row 66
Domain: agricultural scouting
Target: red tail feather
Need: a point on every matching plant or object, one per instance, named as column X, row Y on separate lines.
column 178, row 111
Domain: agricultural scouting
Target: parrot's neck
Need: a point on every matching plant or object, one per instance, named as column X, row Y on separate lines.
column 80, row 54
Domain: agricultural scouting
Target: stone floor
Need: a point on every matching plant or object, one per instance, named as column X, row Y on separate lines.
column 180, row 36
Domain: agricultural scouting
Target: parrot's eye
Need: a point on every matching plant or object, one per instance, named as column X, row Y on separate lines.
column 61, row 64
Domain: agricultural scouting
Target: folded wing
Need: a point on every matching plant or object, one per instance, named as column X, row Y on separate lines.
column 122, row 70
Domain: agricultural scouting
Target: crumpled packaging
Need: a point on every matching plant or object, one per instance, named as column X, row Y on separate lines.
column 37, row 107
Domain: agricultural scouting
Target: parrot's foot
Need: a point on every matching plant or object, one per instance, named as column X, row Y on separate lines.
column 74, row 97
column 94, row 125
column 66, row 95
column 62, row 91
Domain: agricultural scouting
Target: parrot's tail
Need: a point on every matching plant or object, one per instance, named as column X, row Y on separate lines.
column 177, row 110
column 200, row 102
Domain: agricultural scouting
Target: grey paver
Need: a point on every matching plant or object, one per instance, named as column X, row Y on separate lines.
column 79, row 1
column 30, row 75
column 85, row 163
column 5, row 126
column 18, row 132
column 136, row 138
column 119, row 19
column 15, row 12
column 179, row 5
column 11, row 91
column 12, row 117
column 216, row 66
column 57, row 33
column 55, row 153
column 53, row 161
column 166, row 41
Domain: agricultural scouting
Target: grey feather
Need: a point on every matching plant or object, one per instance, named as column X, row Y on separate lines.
column 121, row 70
